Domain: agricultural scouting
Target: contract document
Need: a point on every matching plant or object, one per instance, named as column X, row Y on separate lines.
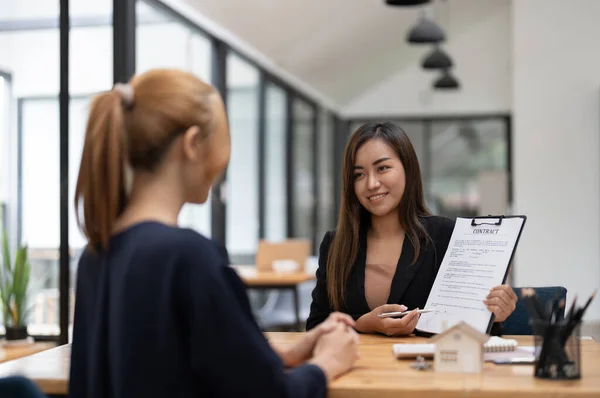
column 478, row 258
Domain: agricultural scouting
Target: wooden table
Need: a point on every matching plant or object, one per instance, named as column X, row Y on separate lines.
column 48, row 369
column 8, row 353
column 267, row 280
column 377, row 374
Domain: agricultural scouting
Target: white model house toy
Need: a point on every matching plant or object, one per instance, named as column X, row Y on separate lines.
column 459, row 349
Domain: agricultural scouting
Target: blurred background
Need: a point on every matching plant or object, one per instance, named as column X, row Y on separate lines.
column 500, row 98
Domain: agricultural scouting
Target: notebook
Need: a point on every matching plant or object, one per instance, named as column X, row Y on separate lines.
column 494, row 344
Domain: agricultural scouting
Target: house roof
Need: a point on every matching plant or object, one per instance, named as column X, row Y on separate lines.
column 465, row 328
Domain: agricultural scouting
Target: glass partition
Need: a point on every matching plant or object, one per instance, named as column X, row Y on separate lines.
column 275, row 163
column 5, row 107
column 242, row 218
column 469, row 170
column 32, row 57
column 325, row 175
column 303, row 197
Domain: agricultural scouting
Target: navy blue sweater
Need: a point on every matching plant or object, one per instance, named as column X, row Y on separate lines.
column 161, row 314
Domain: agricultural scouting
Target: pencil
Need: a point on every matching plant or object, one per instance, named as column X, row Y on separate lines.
column 587, row 304
column 576, row 319
column 572, row 309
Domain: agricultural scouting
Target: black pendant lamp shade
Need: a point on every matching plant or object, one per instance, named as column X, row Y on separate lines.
column 446, row 82
column 437, row 59
column 406, row 2
column 426, row 31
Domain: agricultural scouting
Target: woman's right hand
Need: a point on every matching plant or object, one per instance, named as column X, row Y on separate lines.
column 336, row 351
column 371, row 323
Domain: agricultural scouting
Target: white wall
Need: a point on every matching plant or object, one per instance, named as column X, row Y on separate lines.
column 479, row 44
column 556, row 145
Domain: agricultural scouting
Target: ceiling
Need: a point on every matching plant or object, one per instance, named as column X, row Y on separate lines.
column 338, row 47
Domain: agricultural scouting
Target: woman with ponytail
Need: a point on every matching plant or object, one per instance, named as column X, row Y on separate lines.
column 158, row 311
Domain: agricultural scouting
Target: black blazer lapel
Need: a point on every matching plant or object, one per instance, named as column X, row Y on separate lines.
column 405, row 271
column 359, row 301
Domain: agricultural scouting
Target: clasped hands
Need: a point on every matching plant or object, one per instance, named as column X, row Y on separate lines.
column 334, row 338
column 501, row 301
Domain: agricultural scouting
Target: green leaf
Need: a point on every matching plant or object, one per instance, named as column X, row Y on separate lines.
column 20, row 283
column 14, row 283
column 7, row 259
column 5, row 280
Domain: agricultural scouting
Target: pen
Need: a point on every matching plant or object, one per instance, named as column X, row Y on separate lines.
column 575, row 319
column 587, row 304
column 553, row 312
column 401, row 314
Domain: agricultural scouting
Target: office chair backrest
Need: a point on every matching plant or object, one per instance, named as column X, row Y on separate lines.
column 292, row 249
column 518, row 322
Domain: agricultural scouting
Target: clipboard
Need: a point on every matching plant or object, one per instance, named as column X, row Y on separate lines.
column 491, row 220
column 483, row 220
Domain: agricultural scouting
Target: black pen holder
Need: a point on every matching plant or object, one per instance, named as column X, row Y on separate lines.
column 557, row 350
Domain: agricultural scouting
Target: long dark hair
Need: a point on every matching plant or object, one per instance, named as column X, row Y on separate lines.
column 354, row 219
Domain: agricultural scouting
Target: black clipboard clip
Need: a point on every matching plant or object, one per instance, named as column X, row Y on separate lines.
column 474, row 223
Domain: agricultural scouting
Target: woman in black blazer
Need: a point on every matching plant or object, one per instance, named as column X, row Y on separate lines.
column 387, row 249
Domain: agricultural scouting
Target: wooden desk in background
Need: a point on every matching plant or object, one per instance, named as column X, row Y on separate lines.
column 8, row 353
column 377, row 374
column 267, row 280
column 49, row 369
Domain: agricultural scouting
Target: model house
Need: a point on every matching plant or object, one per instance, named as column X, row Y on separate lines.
column 459, row 349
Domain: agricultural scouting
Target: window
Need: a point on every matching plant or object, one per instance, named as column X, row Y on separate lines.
column 164, row 42
column 34, row 73
column 303, row 193
column 469, row 173
column 5, row 99
column 326, row 212
column 32, row 194
column 449, row 356
column 275, row 164
column 242, row 218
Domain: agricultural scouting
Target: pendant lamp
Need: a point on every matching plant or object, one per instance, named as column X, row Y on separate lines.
column 426, row 31
column 406, row 2
column 446, row 82
column 437, row 59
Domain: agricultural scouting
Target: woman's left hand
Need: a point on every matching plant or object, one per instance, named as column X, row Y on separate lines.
column 502, row 301
column 302, row 350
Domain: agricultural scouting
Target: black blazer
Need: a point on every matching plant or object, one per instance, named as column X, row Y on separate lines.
column 411, row 284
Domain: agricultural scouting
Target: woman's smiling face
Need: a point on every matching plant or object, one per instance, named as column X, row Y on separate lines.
column 379, row 178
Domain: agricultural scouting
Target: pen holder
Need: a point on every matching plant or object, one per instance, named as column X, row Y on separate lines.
column 557, row 350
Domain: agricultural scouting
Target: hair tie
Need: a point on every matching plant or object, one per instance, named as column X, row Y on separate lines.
column 125, row 91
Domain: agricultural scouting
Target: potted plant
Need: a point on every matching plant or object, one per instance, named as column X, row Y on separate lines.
column 14, row 281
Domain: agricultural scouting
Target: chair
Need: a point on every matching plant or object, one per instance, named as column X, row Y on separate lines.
column 518, row 322
column 19, row 387
column 278, row 309
column 291, row 249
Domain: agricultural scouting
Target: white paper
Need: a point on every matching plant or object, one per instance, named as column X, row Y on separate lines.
column 476, row 260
